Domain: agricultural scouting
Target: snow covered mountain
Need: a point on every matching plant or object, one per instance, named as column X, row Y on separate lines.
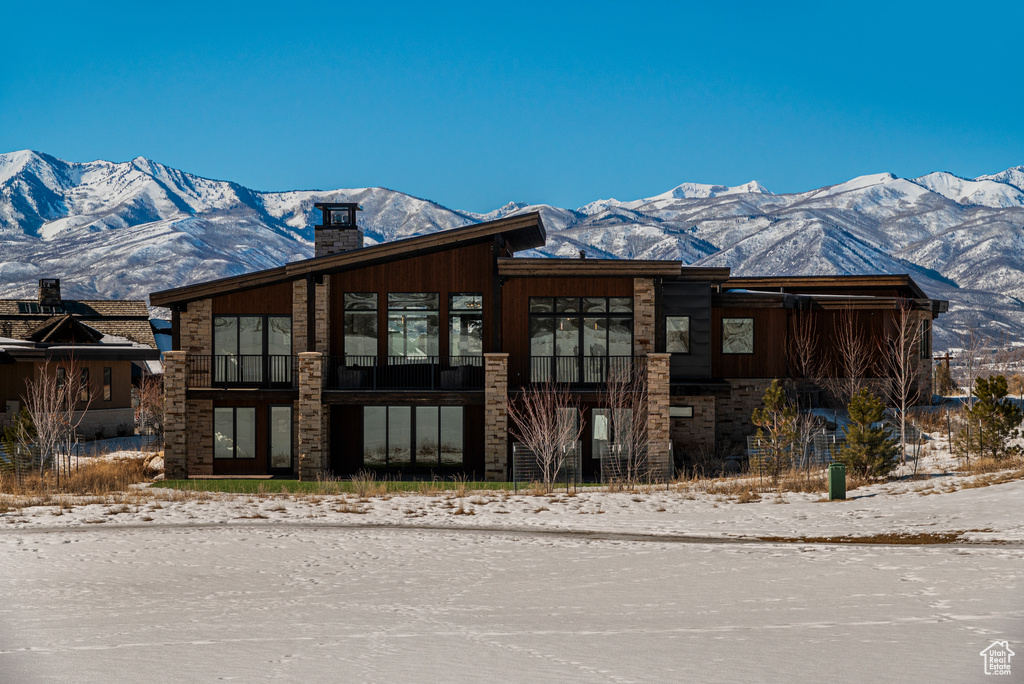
column 125, row 229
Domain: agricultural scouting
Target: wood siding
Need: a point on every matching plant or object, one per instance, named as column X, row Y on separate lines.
column 271, row 299
column 13, row 376
column 769, row 357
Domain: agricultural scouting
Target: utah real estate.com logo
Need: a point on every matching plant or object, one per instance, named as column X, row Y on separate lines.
column 997, row 658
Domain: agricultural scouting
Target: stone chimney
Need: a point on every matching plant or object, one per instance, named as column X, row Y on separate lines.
column 49, row 292
column 338, row 232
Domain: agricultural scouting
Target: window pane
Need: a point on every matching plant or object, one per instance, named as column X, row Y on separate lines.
column 250, row 335
column 677, row 334
column 360, row 301
column 106, row 384
column 620, row 304
column 451, row 435
column 279, row 336
column 426, row 435
column 466, row 334
column 223, row 433
column 542, row 337
column 225, row 335
column 413, row 334
column 399, row 436
column 541, row 305
column 601, row 432
column 414, row 301
column 567, row 305
column 737, row 335
column 680, row 411
column 466, row 302
column 245, row 432
column 620, row 337
column 280, row 437
column 567, row 337
column 595, row 305
column 361, row 334
column 595, row 336
column 374, row 435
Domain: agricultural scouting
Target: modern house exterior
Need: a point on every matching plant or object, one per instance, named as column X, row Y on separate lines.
column 399, row 357
column 104, row 343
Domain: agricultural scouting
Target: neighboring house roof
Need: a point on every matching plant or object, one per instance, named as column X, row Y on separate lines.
column 520, row 232
column 25, row 319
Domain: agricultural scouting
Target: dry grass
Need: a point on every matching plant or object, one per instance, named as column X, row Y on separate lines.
column 91, row 478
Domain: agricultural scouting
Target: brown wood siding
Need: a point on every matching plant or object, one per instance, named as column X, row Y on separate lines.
column 463, row 269
column 515, row 309
column 12, row 381
column 769, row 357
column 874, row 326
column 271, row 299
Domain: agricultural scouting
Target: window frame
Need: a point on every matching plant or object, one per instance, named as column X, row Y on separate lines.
column 349, row 309
column 472, row 314
column 108, row 377
column 234, row 433
column 401, row 312
column 689, row 346
column 415, row 463
column 576, row 368
column 753, row 345
column 269, row 371
column 291, row 437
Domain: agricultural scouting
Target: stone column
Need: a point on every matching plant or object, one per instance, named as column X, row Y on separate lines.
column 495, row 417
column 299, row 316
column 643, row 315
column 196, row 327
column 175, row 415
column 659, row 423
column 311, row 451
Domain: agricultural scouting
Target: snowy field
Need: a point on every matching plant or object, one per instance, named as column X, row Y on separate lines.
column 654, row 586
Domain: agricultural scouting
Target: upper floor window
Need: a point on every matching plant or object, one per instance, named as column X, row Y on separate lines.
column 465, row 327
column 414, row 323
column 737, row 335
column 572, row 339
column 926, row 339
column 360, row 326
column 677, row 334
column 247, row 349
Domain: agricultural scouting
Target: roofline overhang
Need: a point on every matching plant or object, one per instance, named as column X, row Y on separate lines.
column 650, row 268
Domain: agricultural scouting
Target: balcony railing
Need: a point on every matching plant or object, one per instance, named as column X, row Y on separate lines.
column 451, row 373
column 577, row 371
column 258, row 371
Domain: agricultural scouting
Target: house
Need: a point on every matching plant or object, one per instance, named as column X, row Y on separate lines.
column 103, row 342
column 398, row 358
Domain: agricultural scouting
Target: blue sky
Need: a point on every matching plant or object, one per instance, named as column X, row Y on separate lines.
column 473, row 106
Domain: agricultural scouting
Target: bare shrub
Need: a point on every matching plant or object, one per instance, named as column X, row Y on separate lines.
column 545, row 419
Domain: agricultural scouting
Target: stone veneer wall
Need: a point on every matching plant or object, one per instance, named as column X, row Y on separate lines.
column 337, row 240
column 697, row 434
column 659, row 457
column 323, row 307
column 495, row 417
column 733, row 410
column 196, row 327
column 199, row 417
column 175, row 412
column 643, row 316
column 311, row 451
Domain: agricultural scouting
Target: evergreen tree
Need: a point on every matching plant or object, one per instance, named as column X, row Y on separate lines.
column 993, row 419
column 776, row 428
column 869, row 451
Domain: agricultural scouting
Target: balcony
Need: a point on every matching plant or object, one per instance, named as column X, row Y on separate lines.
column 397, row 373
column 578, row 372
column 242, row 371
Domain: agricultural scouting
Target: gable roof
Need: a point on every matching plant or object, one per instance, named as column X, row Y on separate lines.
column 64, row 329
column 127, row 318
column 520, row 232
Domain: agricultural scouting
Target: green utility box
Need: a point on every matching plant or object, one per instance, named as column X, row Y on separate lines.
column 836, row 481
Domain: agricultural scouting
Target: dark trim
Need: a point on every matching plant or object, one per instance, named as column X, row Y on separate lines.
column 310, row 313
column 245, row 394
column 336, row 397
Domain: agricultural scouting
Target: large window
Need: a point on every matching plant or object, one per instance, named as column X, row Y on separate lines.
column 611, row 433
column 413, row 324
column 281, row 437
column 234, row 432
column 677, row 334
column 579, row 339
column 412, row 437
column 361, row 328
column 737, row 335
column 465, row 329
column 252, row 349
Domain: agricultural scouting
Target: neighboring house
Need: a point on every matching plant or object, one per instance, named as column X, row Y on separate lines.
column 398, row 358
column 105, row 342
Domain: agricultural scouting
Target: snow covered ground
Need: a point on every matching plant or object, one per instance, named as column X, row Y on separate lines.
column 652, row 586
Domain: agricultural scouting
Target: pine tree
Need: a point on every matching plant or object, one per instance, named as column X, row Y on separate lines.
column 869, row 451
column 994, row 420
column 776, row 428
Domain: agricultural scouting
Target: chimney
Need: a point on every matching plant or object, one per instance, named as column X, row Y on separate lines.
column 338, row 231
column 49, row 292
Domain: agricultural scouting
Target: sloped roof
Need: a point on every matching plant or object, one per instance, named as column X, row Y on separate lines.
column 127, row 318
column 520, row 232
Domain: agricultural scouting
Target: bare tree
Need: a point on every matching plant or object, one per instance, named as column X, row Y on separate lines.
column 969, row 360
column 58, row 398
column 545, row 419
column 626, row 394
column 900, row 352
column 852, row 360
column 149, row 409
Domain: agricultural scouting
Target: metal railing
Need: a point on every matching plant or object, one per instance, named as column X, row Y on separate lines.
column 585, row 371
column 261, row 371
column 451, row 373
